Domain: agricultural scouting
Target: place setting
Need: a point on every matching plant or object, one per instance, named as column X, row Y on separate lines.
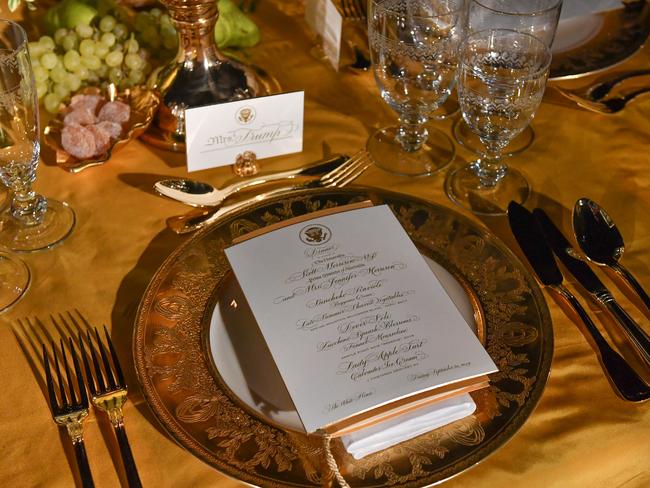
column 403, row 309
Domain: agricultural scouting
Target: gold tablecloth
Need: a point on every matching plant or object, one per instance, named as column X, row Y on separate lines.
column 580, row 435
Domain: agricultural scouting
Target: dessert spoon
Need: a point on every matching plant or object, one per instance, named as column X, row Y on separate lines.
column 601, row 241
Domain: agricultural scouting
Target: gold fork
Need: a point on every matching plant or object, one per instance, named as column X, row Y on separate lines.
column 338, row 177
column 68, row 410
column 108, row 389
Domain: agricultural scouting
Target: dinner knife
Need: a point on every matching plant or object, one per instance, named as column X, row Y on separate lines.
column 625, row 381
column 596, row 288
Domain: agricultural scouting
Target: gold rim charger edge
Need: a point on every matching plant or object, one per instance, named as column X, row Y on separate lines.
column 192, row 405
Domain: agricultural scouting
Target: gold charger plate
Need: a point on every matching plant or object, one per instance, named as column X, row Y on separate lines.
column 202, row 414
column 616, row 36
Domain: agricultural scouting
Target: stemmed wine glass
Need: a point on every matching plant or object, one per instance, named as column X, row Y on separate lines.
column 414, row 52
column 536, row 17
column 15, row 276
column 30, row 222
column 501, row 81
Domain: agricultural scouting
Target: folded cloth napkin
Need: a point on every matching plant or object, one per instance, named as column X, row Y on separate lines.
column 407, row 426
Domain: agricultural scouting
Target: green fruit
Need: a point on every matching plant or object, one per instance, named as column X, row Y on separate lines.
column 76, row 12
column 234, row 28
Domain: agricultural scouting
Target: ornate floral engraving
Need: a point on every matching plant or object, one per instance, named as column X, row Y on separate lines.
column 203, row 415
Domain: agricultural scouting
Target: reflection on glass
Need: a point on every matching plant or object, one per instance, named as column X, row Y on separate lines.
column 536, row 17
column 501, row 81
column 414, row 51
column 31, row 222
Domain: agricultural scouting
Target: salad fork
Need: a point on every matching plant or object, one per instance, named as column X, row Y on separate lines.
column 108, row 390
column 68, row 410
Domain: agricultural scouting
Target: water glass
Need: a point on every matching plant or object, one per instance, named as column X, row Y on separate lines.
column 501, row 81
column 414, row 51
column 31, row 222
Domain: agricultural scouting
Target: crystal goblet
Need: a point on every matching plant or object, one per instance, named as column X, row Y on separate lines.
column 31, row 222
column 414, row 52
column 501, row 81
column 536, row 17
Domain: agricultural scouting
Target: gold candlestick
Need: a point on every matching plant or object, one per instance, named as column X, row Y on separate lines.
column 199, row 75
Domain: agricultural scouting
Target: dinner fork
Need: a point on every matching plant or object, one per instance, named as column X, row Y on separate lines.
column 604, row 106
column 338, row 177
column 108, row 391
column 70, row 411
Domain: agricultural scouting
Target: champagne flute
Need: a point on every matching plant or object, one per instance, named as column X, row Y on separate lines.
column 31, row 222
column 414, row 52
column 536, row 17
column 501, row 81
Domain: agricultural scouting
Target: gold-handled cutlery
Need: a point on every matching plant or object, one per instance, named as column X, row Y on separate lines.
column 108, row 390
column 525, row 227
column 338, row 177
column 594, row 286
column 609, row 105
column 69, row 409
column 601, row 241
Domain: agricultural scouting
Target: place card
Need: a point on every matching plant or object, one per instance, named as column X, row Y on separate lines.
column 357, row 323
column 268, row 126
column 326, row 21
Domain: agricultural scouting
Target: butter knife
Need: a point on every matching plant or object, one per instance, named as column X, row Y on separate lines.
column 596, row 288
column 625, row 381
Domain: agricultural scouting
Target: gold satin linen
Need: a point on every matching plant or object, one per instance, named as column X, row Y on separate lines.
column 580, row 435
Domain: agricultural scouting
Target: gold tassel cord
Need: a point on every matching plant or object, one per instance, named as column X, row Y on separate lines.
column 331, row 462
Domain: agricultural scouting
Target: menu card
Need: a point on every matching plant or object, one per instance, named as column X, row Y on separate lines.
column 358, row 325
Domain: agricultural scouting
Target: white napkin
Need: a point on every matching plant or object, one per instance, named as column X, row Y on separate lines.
column 404, row 427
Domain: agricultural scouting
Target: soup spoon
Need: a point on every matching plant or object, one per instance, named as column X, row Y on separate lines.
column 601, row 241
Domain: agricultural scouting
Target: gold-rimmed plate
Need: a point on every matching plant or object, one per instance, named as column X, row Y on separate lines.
column 202, row 413
column 593, row 43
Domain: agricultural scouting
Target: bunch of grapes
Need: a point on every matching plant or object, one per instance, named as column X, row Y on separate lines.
column 154, row 30
column 87, row 55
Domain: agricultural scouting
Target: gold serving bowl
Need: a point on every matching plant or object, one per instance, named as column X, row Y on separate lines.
column 143, row 103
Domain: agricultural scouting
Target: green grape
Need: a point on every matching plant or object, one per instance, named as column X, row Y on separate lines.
column 40, row 74
column 35, row 62
column 61, row 90
column 69, row 42
column 156, row 12
column 136, row 76
column 36, row 50
column 131, row 45
column 71, row 60
column 59, row 35
column 114, row 58
column 41, row 89
column 107, row 23
column 108, row 39
column 49, row 60
column 51, row 102
column 133, row 61
column 58, row 74
column 87, row 47
column 118, row 47
column 83, row 72
column 47, row 42
column 73, row 82
column 116, row 75
column 165, row 20
column 120, row 31
column 101, row 50
column 84, row 31
column 102, row 72
column 142, row 20
column 91, row 62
